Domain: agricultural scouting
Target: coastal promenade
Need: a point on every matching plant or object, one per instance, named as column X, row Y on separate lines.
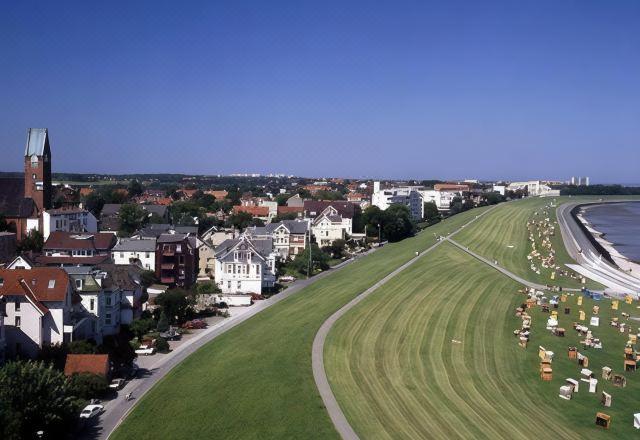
column 590, row 262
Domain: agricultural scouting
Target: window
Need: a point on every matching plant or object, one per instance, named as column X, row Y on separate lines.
column 92, row 304
column 107, row 300
column 78, row 284
column 33, row 176
column 107, row 318
column 228, row 284
column 146, row 255
column 121, row 254
column 17, row 304
column 239, row 285
column 18, row 321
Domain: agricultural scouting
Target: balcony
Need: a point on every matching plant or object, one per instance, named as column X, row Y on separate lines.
column 168, row 252
column 168, row 266
column 167, row 279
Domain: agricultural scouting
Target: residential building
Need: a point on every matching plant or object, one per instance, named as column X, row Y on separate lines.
column 328, row 227
column 533, row 188
column 346, row 210
column 111, row 293
column 139, row 252
column 176, row 260
column 500, row 189
column 260, row 212
column 68, row 220
column 289, row 237
column 298, row 211
column 295, row 201
column 22, row 200
column 409, row 196
column 23, row 261
column 8, row 246
column 39, row 310
column 68, row 248
column 245, row 265
column 207, row 243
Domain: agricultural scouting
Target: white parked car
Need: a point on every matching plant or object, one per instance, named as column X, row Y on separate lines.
column 287, row 278
column 116, row 384
column 91, row 411
column 145, row 350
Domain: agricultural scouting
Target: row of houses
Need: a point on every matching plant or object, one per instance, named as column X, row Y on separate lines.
column 42, row 306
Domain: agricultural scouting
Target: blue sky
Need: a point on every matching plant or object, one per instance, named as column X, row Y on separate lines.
column 455, row 89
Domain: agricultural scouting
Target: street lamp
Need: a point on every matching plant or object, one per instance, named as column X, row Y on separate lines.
column 379, row 233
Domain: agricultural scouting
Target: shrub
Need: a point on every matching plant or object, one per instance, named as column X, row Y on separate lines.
column 162, row 345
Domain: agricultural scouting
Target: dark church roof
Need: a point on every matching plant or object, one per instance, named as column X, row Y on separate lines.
column 12, row 200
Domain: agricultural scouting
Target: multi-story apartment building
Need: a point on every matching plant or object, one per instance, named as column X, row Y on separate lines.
column 176, row 259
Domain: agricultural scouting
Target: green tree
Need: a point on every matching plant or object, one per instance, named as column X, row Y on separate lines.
column 155, row 219
column 140, row 327
column 336, row 249
column 32, row 242
column 35, row 397
column 163, row 322
column 6, row 226
column 132, row 217
column 135, row 188
column 320, row 260
column 240, row 220
column 397, row 223
column 174, row 304
column 431, row 213
column 88, row 385
column 94, row 203
column 81, row 347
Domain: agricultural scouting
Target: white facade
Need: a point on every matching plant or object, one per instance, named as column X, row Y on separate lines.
column 500, row 189
column 534, row 187
column 327, row 231
column 68, row 221
column 442, row 198
column 139, row 252
column 242, row 269
column 410, row 196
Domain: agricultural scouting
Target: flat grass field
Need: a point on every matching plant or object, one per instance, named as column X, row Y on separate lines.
column 431, row 354
column 255, row 381
column 506, row 226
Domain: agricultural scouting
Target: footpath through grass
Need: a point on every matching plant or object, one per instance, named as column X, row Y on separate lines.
column 502, row 235
column 432, row 355
column 255, row 381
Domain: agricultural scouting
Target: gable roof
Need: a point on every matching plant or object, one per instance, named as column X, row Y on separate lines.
column 87, row 363
column 120, row 276
column 101, row 241
column 262, row 247
column 314, row 208
column 37, row 142
column 12, row 200
column 43, row 283
column 257, row 211
column 132, row 245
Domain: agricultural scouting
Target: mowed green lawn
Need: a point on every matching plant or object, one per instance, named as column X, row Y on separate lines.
column 398, row 370
column 255, row 381
column 506, row 226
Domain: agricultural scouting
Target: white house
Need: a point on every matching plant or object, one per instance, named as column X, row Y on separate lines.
column 289, row 236
column 327, row 228
column 534, row 188
column 245, row 265
column 39, row 310
column 442, row 198
column 139, row 252
column 68, row 220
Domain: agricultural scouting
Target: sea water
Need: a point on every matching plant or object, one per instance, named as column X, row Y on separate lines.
column 620, row 224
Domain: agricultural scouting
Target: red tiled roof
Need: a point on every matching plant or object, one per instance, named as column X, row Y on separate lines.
column 87, row 363
column 218, row 194
column 67, row 240
column 86, row 191
column 78, row 261
column 450, row 186
column 256, row 211
column 290, row 209
column 41, row 283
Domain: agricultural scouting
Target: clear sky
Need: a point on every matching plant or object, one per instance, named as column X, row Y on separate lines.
column 446, row 89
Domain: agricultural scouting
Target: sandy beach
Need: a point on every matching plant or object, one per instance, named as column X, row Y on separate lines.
column 621, row 261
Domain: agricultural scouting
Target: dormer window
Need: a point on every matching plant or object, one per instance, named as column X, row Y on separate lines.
column 52, row 284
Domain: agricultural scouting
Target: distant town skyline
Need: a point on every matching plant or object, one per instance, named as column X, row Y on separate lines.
column 478, row 90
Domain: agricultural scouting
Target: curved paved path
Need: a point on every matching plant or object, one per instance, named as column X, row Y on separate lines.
column 116, row 410
column 317, row 352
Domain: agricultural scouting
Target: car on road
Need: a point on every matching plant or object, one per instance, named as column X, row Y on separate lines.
column 117, row 384
column 90, row 411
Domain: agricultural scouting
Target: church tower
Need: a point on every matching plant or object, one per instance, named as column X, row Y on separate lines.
column 37, row 168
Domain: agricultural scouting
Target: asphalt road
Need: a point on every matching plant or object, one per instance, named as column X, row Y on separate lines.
column 582, row 250
column 317, row 352
column 117, row 409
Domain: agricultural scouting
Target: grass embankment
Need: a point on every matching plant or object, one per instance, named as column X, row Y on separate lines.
column 502, row 235
column 255, row 381
column 398, row 371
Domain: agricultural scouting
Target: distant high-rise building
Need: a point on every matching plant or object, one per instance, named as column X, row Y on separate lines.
column 586, row 181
